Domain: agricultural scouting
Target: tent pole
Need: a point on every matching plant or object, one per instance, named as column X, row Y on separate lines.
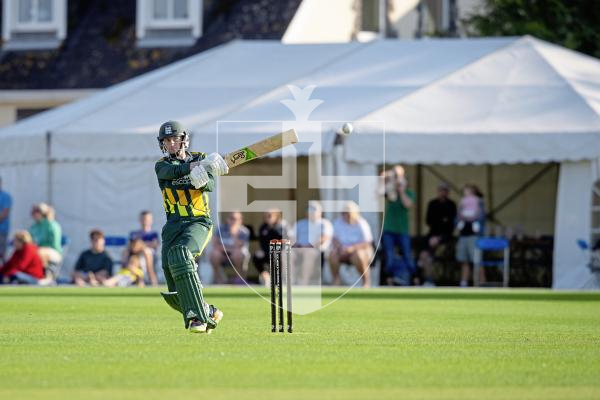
column 49, row 168
column 490, row 190
column 418, row 208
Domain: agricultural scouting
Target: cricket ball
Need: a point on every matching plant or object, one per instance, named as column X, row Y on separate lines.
column 347, row 128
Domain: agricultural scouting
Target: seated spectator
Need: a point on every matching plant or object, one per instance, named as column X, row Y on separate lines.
column 47, row 234
column 313, row 232
column 146, row 233
column 137, row 249
column 25, row 265
column 94, row 265
column 230, row 246
column 132, row 272
column 151, row 239
column 352, row 244
column 273, row 227
column 440, row 217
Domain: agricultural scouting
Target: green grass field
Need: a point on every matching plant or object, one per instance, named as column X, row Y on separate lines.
column 397, row 344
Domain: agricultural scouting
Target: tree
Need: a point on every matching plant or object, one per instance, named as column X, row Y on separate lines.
column 570, row 23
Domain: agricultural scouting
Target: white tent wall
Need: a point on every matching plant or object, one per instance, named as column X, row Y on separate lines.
column 104, row 195
column 573, row 221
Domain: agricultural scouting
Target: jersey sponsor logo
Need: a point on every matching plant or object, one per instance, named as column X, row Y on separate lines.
column 185, row 180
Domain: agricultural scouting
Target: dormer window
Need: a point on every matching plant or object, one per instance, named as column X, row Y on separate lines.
column 168, row 23
column 33, row 24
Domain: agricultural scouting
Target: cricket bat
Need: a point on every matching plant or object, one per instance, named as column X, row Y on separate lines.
column 261, row 148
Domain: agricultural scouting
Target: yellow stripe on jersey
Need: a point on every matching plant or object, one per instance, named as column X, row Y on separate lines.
column 169, row 206
column 199, row 203
column 182, row 197
column 170, row 196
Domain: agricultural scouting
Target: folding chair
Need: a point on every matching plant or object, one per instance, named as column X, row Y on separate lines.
column 491, row 244
column 114, row 247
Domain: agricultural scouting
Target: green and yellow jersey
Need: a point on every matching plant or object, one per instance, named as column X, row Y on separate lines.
column 181, row 200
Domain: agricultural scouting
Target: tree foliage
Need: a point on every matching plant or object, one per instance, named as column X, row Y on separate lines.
column 571, row 23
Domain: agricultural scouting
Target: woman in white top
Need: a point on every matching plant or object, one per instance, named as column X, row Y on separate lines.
column 352, row 243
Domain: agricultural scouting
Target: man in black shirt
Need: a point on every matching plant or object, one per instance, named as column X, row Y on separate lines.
column 94, row 265
column 441, row 216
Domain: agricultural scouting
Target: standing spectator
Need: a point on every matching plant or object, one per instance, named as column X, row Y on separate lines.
column 441, row 217
column 232, row 244
column 94, row 265
column 137, row 249
column 273, row 227
column 313, row 232
column 469, row 225
column 151, row 240
column 46, row 233
column 352, row 243
column 5, row 205
column 24, row 266
column 398, row 200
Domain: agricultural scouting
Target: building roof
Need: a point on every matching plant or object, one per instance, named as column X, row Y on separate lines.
column 100, row 49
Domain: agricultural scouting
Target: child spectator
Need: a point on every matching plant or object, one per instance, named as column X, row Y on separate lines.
column 137, row 249
column 94, row 265
column 24, row 266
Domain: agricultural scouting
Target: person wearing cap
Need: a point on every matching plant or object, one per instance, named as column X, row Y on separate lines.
column 352, row 244
column 312, row 232
column 440, row 217
column 184, row 179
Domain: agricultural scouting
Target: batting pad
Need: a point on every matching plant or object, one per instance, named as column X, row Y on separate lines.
column 183, row 270
column 172, row 300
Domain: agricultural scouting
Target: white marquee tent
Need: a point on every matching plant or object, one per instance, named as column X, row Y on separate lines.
column 477, row 101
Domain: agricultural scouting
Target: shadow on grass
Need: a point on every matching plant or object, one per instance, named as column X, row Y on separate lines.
column 389, row 294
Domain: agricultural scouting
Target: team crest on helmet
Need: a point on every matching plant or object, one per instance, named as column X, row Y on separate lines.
column 168, row 130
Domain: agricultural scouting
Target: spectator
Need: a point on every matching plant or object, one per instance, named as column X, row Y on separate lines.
column 352, row 243
column 231, row 245
column 145, row 261
column 132, row 272
column 24, row 266
column 440, row 217
column 314, row 232
column 469, row 225
column 94, row 265
column 146, row 233
column 5, row 205
column 273, row 227
column 151, row 239
column 46, row 233
column 398, row 200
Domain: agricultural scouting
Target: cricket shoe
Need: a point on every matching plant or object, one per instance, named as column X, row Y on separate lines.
column 216, row 315
column 197, row 326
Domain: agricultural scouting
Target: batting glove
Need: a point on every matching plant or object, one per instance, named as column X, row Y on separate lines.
column 199, row 176
column 215, row 164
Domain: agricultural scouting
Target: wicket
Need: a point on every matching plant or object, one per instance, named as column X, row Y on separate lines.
column 278, row 268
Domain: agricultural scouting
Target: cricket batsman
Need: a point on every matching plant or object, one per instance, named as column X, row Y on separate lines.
column 184, row 179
